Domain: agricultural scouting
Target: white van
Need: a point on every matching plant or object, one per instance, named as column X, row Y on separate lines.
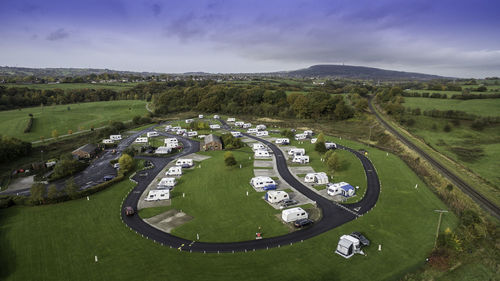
column 319, row 178
column 302, row 159
column 262, row 133
column 184, row 162
column 171, row 142
column 330, row 145
column 276, row 196
column 216, row 116
column 174, row 171
column 152, row 134
column 107, row 141
column 181, row 131
column 293, row 214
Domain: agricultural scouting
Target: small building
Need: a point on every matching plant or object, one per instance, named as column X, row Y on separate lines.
column 308, row 133
column 141, row 140
column 184, row 162
column 85, row 152
column 152, row 134
column 258, row 146
column 266, row 183
column 157, row 195
column 166, row 183
column 174, row 171
column 262, row 154
column 115, row 137
column 293, row 214
column 212, row 142
column 276, row 196
column 163, row 150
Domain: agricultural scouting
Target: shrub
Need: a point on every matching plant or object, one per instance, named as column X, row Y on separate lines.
column 447, row 128
column 29, row 125
column 229, row 159
column 126, row 163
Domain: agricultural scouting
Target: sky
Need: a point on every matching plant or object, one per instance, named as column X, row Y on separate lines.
column 445, row 37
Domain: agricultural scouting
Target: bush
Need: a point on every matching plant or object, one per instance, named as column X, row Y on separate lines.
column 229, row 159
column 29, row 125
column 479, row 124
column 230, row 142
column 288, row 133
column 447, row 128
column 126, row 163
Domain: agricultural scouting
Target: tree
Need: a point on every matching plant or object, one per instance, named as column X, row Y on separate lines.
column 55, row 134
column 71, row 188
column 332, row 160
column 52, row 193
column 229, row 159
column 37, row 193
column 320, row 144
column 126, row 163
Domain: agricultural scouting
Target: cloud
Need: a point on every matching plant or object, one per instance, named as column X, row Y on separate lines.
column 58, row 34
column 156, row 8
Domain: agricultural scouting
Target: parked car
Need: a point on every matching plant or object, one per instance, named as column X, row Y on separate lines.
column 302, row 222
column 288, row 203
column 362, row 239
column 108, row 178
column 129, row 211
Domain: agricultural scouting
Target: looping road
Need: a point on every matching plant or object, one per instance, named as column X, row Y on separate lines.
column 334, row 214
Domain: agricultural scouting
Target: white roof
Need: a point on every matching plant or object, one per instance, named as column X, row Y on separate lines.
column 276, row 192
column 293, row 210
column 263, row 178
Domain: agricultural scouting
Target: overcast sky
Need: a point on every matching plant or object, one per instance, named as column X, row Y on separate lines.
column 445, row 37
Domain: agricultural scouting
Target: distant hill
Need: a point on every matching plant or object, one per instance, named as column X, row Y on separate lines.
column 62, row 72
column 354, row 72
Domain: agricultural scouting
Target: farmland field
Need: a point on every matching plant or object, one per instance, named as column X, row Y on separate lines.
column 76, row 86
column 481, row 107
column 75, row 117
column 59, row 242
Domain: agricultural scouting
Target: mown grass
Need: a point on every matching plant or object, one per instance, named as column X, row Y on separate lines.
column 481, row 107
column 59, row 242
column 153, row 211
column 63, row 118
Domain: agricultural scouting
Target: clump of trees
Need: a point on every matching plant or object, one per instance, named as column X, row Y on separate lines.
column 11, row 148
column 229, row 142
column 229, row 159
column 333, row 161
column 30, row 124
column 126, row 163
column 320, row 144
column 66, row 166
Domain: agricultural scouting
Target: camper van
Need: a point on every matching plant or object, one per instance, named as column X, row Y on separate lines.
column 174, row 171
column 239, row 124
column 236, row 134
column 262, row 154
column 261, row 127
column 216, row 116
column 115, row 137
column 166, row 183
column 214, row 126
column 262, row 133
column 189, row 121
column 293, row 214
column 231, row 119
column 200, row 116
column 319, row 178
column 300, row 136
column 276, row 196
column 340, row 188
column 107, row 141
column 184, row 162
column 152, row 134
column 192, row 134
column 330, row 145
column 296, row 151
column 258, row 146
column 171, row 142
column 302, row 159
column 266, row 183
column 141, row 140
column 282, row 141
column 156, row 195
column 163, row 150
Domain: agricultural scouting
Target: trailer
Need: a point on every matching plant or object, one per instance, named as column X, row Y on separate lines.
column 261, row 127
column 282, row 141
column 115, row 137
column 171, row 142
column 184, row 162
column 252, row 131
column 157, row 195
column 152, row 134
column 231, row 119
column 265, row 183
column 141, row 140
column 300, row 137
column 293, row 214
column 168, row 128
column 192, row 134
column 214, row 126
column 302, row 159
column 296, row 151
column 188, row 121
column 216, row 116
column 262, row 133
column 174, row 171
column 236, row 134
column 308, row 133
column 262, row 154
column 340, row 188
column 163, row 150
column 166, row 183
column 239, row 123
column 330, row 145
column 276, row 196
column 247, row 125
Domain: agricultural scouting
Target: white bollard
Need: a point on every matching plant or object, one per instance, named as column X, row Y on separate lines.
column 386, row 154
column 88, row 198
column 416, row 185
column 247, row 192
column 197, row 236
column 183, row 195
column 240, row 166
column 379, row 247
column 96, row 260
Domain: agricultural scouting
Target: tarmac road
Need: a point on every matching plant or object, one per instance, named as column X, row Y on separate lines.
column 334, row 214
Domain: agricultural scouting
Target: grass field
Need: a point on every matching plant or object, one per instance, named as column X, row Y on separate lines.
column 80, row 117
column 76, row 86
column 481, row 107
column 491, row 89
column 59, row 242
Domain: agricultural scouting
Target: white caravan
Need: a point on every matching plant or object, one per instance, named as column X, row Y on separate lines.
column 166, row 183
column 300, row 136
column 231, row 119
column 319, row 178
column 296, row 151
column 265, row 183
column 258, row 146
column 174, row 171
column 252, row 131
column 168, row 128
column 163, row 150
column 200, row 116
column 276, row 196
column 330, row 145
column 302, row 159
column 261, row 127
column 282, row 141
column 236, row 134
column 115, row 137
column 107, row 141
column 262, row 133
column 192, row 134
column 340, row 188
column 262, row 154
column 239, row 124
column 247, row 125
column 156, row 195
column 348, row 246
column 171, row 142
column 293, row 214
column 152, row 134
column 214, row 126
column 189, row 121
column 141, row 140
column 184, row 162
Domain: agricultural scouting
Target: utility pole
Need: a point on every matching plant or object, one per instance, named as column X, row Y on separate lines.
column 439, row 224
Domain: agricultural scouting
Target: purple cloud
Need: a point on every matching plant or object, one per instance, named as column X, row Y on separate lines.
column 58, row 34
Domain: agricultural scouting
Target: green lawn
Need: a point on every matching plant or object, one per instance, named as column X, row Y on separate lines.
column 76, row 86
column 481, row 107
column 79, row 117
column 451, row 93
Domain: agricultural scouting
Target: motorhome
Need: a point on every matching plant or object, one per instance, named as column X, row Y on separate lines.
column 293, row 214
column 115, row 137
column 152, row 134
column 261, row 127
column 262, row 154
column 184, row 162
column 319, row 178
column 168, row 128
column 262, row 133
column 174, row 171
column 265, row 183
column 302, row 159
column 276, row 196
column 214, row 126
column 348, row 246
column 141, row 140
column 156, row 195
column 282, row 141
column 340, row 188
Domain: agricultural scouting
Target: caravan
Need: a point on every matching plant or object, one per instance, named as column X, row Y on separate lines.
column 308, row 133
column 236, row 134
column 348, row 246
column 166, row 183
column 282, row 141
column 300, row 137
column 261, row 127
column 168, row 128
column 189, row 121
column 247, row 125
column 141, row 140
column 200, row 116
column 239, row 124
column 252, row 131
column 171, row 142
column 276, row 196
column 181, row 131
column 115, row 137
column 296, row 151
column 107, row 141
column 330, row 145
column 262, row 154
column 156, row 195
column 262, row 133
column 293, row 214
column 302, row 159
column 216, row 116
column 183, row 162
column 258, row 146
column 174, row 171
column 152, row 134
column 231, row 119
column 340, row 188
column 214, row 126
column 192, row 134
column 266, row 183
column 163, row 150
column 319, row 178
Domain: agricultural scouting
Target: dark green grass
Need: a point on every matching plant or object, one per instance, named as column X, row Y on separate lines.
column 481, row 107
column 77, row 86
column 59, row 242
